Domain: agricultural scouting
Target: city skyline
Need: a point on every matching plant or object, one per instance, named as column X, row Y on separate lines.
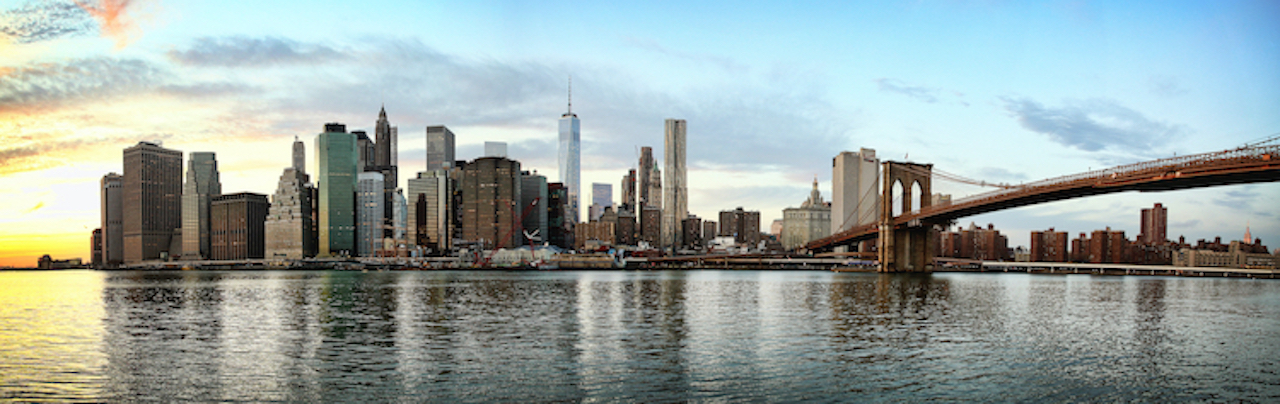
column 1038, row 91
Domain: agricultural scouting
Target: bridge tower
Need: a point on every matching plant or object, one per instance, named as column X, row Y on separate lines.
column 911, row 247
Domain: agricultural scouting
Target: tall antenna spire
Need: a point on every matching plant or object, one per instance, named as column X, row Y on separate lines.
column 571, row 94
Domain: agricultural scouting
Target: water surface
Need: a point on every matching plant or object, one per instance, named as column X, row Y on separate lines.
column 634, row 336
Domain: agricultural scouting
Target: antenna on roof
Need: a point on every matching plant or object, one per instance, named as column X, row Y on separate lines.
column 570, row 94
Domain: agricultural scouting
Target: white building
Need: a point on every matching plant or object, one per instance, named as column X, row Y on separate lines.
column 855, row 189
column 811, row 221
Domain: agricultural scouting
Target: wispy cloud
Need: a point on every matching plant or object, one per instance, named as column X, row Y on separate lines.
column 51, row 84
column 42, row 20
column 33, row 155
column 1094, row 125
column 930, row 95
column 245, row 51
column 697, row 58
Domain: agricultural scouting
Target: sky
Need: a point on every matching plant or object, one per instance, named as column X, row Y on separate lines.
column 998, row 91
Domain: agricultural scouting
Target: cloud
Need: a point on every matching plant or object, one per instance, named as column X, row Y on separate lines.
column 1165, row 86
column 34, row 155
column 653, row 46
column 925, row 94
column 34, row 208
column 245, row 51
column 996, row 174
column 1094, row 125
column 43, row 20
column 112, row 16
column 37, row 21
column 48, row 85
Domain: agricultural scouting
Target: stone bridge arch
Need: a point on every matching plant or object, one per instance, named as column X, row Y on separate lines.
column 911, row 248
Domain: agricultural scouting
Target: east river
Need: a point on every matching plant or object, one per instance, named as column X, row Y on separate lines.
column 718, row 336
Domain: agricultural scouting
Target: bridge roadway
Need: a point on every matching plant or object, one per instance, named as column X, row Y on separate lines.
column 1250, row 164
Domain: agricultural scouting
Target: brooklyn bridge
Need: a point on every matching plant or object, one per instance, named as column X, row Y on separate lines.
column 904, row 232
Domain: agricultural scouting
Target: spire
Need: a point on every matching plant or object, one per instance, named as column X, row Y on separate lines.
column 570, row 95
column 1248, row 237
column 382, row 115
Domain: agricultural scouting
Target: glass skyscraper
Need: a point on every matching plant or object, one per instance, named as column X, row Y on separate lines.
column 570, row 159
column 336, row 161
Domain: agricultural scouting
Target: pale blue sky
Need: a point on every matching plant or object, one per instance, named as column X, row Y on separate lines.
column 1001, row 91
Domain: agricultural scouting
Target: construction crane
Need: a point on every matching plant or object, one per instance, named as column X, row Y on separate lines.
column 502, row 240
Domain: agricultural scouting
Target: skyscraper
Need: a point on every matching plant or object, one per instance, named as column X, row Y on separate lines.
column 236, row 226
column 675, row 198
column 385, row 159
column 495, row 149
column 290, row 232
column 628, row 201
column 601, row 198
column 299, row 156
column 430, row 205
column 336, row 160
column 1155, row 225
column 439, row 149
column 855, row 193
column 570, row 158
column 152, row 200
column 645, row 169
column 490, row 202
column 112, row 220
column 369, row 213
column 534, row 186
column 202, row 184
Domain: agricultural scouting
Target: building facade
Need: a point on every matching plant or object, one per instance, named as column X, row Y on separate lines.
column 811, row 221
column 628, row 189
column 1155, row 225
column 533, row 199
column 1049, row 246
column 290, row 227
column 559, row 233
column 151, row 203
column 643, row 181
column 855, row 189
column 490, row 198
column 237, row 226
column 202, row 184
column 675, row 192
column 495, row 149
column 439, row 148
column 601, row 198
column 369, row 213
column 336, row 163
column 742, row 225
column 112, row 220
column 429, row 202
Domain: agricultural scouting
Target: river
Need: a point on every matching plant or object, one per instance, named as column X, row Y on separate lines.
column 703, row 336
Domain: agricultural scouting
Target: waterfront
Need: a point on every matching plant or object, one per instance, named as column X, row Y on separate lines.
column 634, row 336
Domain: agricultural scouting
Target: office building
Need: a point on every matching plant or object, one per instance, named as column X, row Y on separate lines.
column 675, row 197
column 366, row 151
column 429, row 201
column 202, row 184
column 336, row 163
column 152, row 200
column 533, row 199
column 691, row 228
column 601, row 198
column 495, row 149
column 112, row 220
column 645, row 182
column 560, row 233
column 855, row 189
column 628, row 201
column 386, row 162
column 95, row 249
column 490, row 198
column 1155, row 225
column 570, row 159
column 237, row 228
column 651, row 225
column 299, row 156
column 811, row 221
column 439, row 148
column 369, row 213
column 290, row 228
column 709, row 230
